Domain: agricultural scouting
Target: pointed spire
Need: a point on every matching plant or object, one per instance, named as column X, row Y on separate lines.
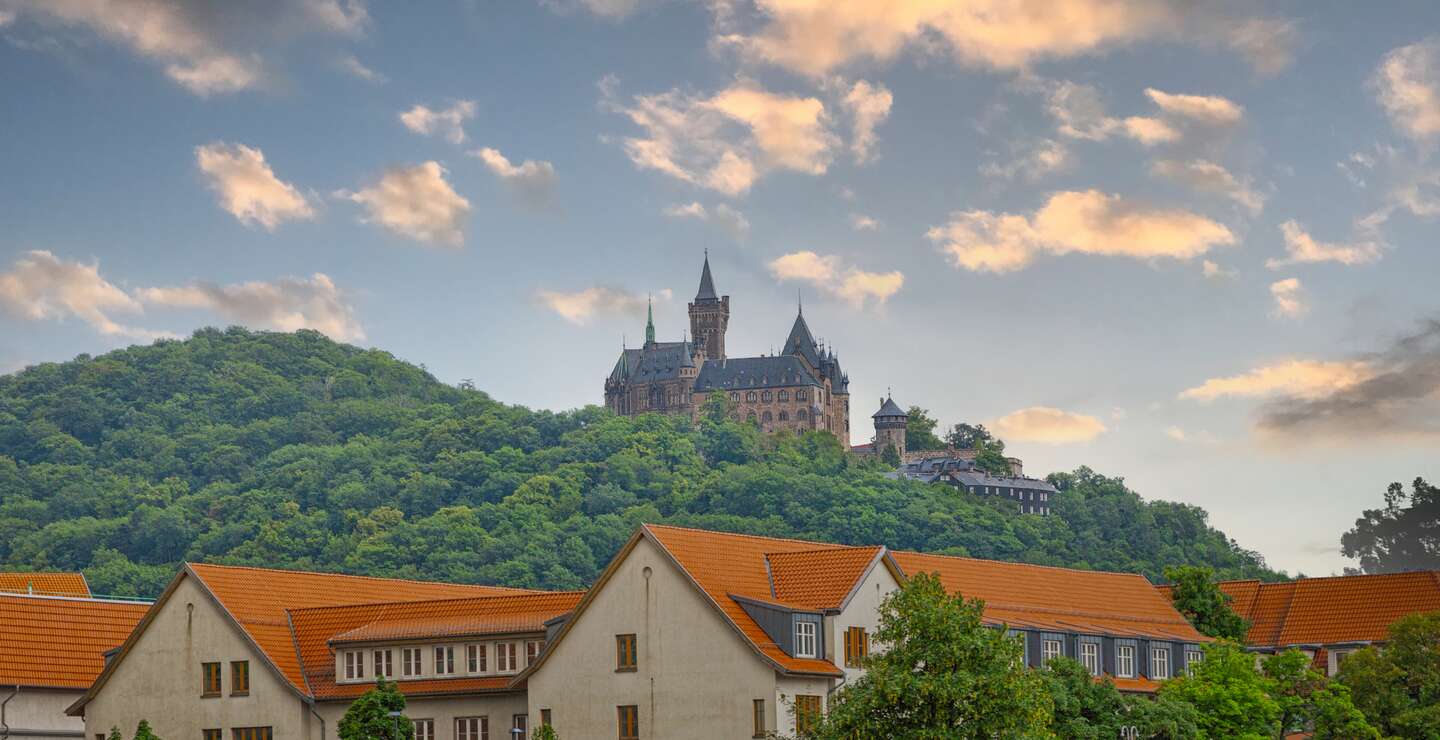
column 707, row 283
column 649, row 320
column 799, row 302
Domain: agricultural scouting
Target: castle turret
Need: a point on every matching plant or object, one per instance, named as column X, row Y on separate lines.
column 709, row 316
column 890, row 423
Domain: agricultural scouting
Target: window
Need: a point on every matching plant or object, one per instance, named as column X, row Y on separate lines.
column 382, row 664
column 1049, row 649
column 783, row 395
column 209, row 679
column 354, row 665
column 520, row 722
column 532, row 650
column 505, row 656
column 204, row 734
column 750, row 397
column 1159, row 663
column 784, row 416
column 472, row 728
column 734, row 397
column 767, row 417
column 799, row 395
column 1191, row 658
column 544, row 717
column 1090, row 657
column 857, row 646
column 424, row 729
column 765, row 396
column 239, row 677
column 802, row 415
column 807, row 713
column 251, row 733
column 410, row 662
column 475, row 658
column 759, row 714
column 625, row 653
column 444, row 660
column 628, row 720
column 804, row 639
column 1125, row 661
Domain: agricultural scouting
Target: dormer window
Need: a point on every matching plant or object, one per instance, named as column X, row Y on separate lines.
column 354, row 665
column 410, row 662
column 444, row 660
column 805, row 639
column 1160, row 662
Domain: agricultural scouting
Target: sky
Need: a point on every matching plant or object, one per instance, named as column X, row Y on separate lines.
column 1188, row 244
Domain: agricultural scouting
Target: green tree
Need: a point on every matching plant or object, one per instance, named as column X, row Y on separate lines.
column 967, row 437
column 544, row 732
column 920, row 430
column 1084, row 709
column 939, row 673
column 1308, row 702
column 114, row 734
column 891, row 456
column 1398, row 687
column 1231, row 698
column 1402, row 536
column 143, row 731
column 1196, row 595
column 990, row 457
column 368, row 717
column 1163, row 718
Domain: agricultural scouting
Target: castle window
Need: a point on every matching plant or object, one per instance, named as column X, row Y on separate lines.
column 801, row 415
column 784, row 416
column 767, row 417
column 799, row 395
column 751, row 417
column 750, row 397
column 784, row 395
column 765, row 396
column 734, row 396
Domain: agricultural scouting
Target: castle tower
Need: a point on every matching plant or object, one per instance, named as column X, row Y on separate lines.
column 709, row 316
column 890, row 426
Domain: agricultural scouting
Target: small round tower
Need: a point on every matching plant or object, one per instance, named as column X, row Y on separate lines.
column 890, row 423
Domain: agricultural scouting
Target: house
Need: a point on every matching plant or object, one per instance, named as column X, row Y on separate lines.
column 1031, row 495
column 1328, row 618
column 51, row 649
column 691, row 633
column 255, row 654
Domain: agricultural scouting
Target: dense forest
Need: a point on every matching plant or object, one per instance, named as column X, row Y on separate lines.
column 291, row 450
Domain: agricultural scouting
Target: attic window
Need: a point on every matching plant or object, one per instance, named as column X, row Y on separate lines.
column 804, row 639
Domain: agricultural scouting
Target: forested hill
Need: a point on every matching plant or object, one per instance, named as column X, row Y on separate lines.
column 291, row 450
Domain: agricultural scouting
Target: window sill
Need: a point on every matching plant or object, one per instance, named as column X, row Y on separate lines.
column 215, row 695
column 630, row 669
column 240, row 693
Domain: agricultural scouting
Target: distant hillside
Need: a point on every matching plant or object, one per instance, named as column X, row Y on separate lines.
column 291, row 450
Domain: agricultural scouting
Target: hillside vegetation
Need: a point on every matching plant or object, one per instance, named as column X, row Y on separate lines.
column 290, row 450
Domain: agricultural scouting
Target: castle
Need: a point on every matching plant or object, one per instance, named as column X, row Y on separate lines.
column 800, row 389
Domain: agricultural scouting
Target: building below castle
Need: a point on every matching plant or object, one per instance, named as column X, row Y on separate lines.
column 800, row 389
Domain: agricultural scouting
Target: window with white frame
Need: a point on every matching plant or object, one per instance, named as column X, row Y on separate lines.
column 1090, row 657
column 532, row 651
column 804, row 639
column 410, row 662
column 475, row 658
column 1191, row 658
column 1160, row 662
column 424, row 729
column 354, row 665
column 1125, row 661
column 1049, row 649
column 505, row 657
column 444, row 660
column 383, row 666
column 472, row 728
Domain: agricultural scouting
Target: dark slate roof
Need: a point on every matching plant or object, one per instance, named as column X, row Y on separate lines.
column 889, row 408
column 656, row 361
column 964, row 472
column 737, row 373
column 802, row 342
column 707, row 284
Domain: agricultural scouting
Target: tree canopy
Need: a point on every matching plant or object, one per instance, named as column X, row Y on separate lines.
column 368, row 717
column 290, row 450
column 920, row 430
column 1398, row 687
column 1232, row 698
column 1402, row 536
column 1195, row 594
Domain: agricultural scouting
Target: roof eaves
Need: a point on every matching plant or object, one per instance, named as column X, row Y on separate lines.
column 77, row 708
column 881, row 556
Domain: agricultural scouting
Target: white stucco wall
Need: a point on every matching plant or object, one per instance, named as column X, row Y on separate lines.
column 786, row 689
column 862, row 611
column 696, row 677
column 500, row 708
column 41, row 710
column 159, row 680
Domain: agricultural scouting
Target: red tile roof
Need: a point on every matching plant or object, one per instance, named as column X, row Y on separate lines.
column 317, row 628
column 1330, row 611
column 60, row 642
column 819, row 579
column 45, row 584
column 1060, row 599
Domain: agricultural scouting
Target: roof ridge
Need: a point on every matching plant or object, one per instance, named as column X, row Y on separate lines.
column 822, row 545
column 1084, row 613
column 835, row 548
column 353, row 575
column 63, row 597
column 441, row 600
column 1026, row 565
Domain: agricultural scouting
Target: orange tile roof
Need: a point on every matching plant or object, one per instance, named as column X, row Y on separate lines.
column 819, row 579
column 316, row 628
column 45, row 584
column 1141, row 685
column 258, row 599
column 1061, row 599
column 60, row 642
column 1329, row 611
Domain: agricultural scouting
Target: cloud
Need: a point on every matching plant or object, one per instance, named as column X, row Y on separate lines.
column 247, row 188
column 1175, row 433
column 448, row 122
column 582, row 306
column 814, row 38
column 1295, row 378
column 1032, row 162
column 1206, row 176
column 609, row 9
column 1149, row 131
column 1407, row 84
column 729, row 220
column 1398, row 397
column 1080, row 113
column 727, row 141
column 1214, row 271
column 415, row 202
column 830, row 274
column 1209, row 110
column 209, row 48
column 869, row 106
column 533, row 181
column 357, row 69
column 1047, row 425
column 1289, row 297
column 41, row 286
column 861, row 222
column 1300, row 247
column 286, row 304
column 1088, row 222
column 1180, row 435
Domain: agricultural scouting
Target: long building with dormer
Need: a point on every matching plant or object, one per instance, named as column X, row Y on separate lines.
column 801, row 388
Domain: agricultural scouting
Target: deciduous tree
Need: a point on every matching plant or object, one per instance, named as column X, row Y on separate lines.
column 1402, row 536
column 1196, row 595
column 368, row 717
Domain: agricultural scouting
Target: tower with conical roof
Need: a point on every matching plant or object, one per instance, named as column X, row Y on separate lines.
column 890, row 423
column 709, row 316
